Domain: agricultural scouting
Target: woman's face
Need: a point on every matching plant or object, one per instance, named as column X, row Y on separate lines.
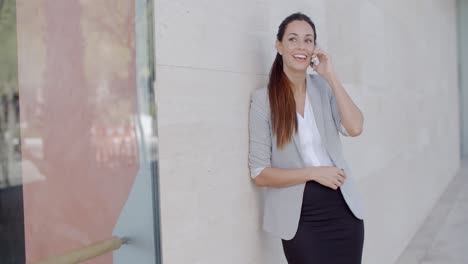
column 297, row 46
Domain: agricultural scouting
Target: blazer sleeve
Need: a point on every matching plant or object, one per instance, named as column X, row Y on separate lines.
column 336, row 113
column 259, row 133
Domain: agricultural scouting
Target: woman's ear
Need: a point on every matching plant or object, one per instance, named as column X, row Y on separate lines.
column 279, row 47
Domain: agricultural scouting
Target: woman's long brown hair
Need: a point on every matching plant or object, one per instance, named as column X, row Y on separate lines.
column 280, row 93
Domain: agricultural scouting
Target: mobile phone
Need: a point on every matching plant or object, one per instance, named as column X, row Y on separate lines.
column 315, row 61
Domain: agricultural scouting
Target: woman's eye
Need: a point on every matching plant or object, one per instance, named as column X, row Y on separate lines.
column 309, row 41
column 292, row 39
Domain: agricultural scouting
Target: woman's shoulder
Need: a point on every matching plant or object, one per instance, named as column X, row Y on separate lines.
column 319, row 82
column 317, row 79
column 260, row 96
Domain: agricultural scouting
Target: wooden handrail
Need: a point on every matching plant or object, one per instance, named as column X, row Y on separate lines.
column 85, row 253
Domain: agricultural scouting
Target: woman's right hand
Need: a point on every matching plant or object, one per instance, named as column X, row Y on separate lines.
column 328, row 176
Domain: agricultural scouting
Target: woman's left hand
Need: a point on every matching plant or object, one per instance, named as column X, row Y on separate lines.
column 324, row 68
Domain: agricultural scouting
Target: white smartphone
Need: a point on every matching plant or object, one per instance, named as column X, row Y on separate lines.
column 315, row 61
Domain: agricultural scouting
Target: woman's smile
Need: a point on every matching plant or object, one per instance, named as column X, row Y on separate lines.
column 300, row 57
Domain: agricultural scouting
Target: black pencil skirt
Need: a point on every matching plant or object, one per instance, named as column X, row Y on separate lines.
column 328, row 232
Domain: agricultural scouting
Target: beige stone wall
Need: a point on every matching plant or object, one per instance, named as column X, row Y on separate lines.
column 397, row 59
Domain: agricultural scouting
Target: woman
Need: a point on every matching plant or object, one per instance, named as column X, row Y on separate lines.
column 311, row 201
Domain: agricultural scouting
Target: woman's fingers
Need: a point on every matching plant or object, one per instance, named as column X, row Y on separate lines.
column 341, row 179
column 330, row 183
column 341, row 173
column 334, row 179
column 333, row 183
column 319, row 52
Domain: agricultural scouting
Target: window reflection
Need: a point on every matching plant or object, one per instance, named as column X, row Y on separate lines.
column 10, row 154
column 11, row 201
column 77, row 122
column 10, row 148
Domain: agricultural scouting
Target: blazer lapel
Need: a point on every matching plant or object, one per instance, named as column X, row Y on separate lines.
column 315, row 96
column 315, row 100
column 298, row 147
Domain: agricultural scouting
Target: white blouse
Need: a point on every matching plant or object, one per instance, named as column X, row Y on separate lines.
column 311, row 147
column 313, row 151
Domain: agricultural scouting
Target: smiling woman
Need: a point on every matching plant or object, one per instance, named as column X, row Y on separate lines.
column 311, row 202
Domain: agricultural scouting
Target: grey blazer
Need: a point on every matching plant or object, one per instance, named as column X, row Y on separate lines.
column 282, row 206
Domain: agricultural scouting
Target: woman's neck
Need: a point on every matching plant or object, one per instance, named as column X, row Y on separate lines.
column 298, row 81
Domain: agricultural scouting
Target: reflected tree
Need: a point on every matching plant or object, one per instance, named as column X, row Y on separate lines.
column 9, row 117
column 11, row 202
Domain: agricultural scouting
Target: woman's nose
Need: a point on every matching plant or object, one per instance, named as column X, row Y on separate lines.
column 302, row 45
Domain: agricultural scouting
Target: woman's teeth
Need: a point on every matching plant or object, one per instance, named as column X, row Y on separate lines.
column 300, row 56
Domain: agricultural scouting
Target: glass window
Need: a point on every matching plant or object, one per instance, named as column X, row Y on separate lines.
column 78, row 145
